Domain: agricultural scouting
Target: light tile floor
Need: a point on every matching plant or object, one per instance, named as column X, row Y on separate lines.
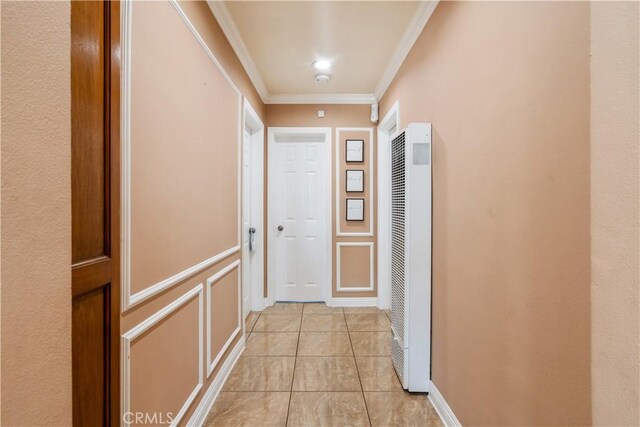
column 313, row 365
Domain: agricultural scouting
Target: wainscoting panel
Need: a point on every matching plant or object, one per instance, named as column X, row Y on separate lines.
column 156, row 376
column 224, row 318
column 354, row 266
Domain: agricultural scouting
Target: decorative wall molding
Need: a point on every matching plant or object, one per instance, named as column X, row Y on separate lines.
column 414, row 29
column 129, row 300
column 441, row 406
column 206, row 403
column 211, row 365
column 228, row 26
column 202, row 43
column 371, row 286
column 353, row 302
column 143, row 326
column 176, row 278
column 411, row 34
column 371, row 173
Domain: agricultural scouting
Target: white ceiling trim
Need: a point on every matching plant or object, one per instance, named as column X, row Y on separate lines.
column 413, row 31
column 222, row 15
column 324, row 98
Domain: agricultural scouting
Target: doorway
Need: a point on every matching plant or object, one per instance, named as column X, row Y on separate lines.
column 95, row 212
column 252, row 211
column 387, row 128
column 299, row 222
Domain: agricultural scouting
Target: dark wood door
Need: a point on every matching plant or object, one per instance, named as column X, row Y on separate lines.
column 95, row 174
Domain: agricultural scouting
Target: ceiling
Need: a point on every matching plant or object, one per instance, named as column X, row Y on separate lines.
column 366, row 42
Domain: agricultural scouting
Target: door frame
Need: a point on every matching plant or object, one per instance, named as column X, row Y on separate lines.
column 390, row 120
column 251, row 121
column 312, row 134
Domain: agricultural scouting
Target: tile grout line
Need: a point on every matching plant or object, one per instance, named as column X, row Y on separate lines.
column 295, row 362
column 355, row 361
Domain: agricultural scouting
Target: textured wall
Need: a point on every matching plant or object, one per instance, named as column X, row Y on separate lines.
column 36, row 214
column 506, row 87
column 615, row 139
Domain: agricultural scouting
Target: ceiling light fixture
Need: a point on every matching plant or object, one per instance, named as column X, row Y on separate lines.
column 322, row 78
column 321, row 64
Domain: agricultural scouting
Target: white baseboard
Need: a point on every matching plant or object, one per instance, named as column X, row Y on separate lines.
column 353, row 302
column 200, row 414
column 442, row 407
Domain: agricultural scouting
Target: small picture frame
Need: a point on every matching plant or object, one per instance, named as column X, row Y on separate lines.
column 354, row 150
column 355, row 209
column 354, row 181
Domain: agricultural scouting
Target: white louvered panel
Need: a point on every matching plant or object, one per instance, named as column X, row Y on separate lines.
column 398, row 164
column 411, row 255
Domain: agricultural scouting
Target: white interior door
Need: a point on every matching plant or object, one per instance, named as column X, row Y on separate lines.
column 247, row 226
column 300, row 220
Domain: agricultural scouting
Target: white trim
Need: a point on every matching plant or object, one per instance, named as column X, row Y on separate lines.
column 252, row 122
column 255, row 122
column 441, row 406
column 372, row 170
column 136, row 331
column 127, row 299
column 390, row 120
column 320, row 98
column 313, row 133
column 206, row 403
column 200, row 40
column 152, row 290
column 411, row 34
column 228, row 26
column 211, row 365
column 125, row 154
column 371, row 286
column 230, row 30
column 353, row 302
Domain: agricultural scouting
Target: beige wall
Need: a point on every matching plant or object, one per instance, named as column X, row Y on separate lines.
column 184, row 162
column 338, row 116
column 506, row 87
column 36, row 214
column 615, row 255
column 185, row 119
column 202, row 18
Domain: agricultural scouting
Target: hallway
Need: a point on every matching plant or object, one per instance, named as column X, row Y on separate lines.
column 209, row 209
column 310, row 364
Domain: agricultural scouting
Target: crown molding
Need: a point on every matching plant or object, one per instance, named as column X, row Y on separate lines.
column 411, row 34
column 223, row 16
column 322, row 98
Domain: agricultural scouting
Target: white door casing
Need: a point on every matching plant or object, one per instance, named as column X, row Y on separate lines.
column 252, row 268
column 299, row 218
column 387, row 127
column 247, row 255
